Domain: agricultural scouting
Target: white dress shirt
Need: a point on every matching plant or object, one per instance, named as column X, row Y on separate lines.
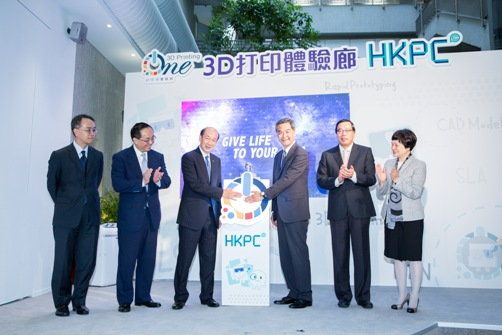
column 139, row 156
column 79, row 150
column 342, row 152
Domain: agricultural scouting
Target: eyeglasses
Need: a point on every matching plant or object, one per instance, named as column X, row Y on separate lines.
column 89, row 130
column 148, row 140
column 344, row 131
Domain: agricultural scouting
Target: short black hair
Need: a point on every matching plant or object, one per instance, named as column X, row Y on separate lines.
column 204, row 130
column 136, row 129
column 286, row 120
column 406, row 137
column 75, row 122
column 345, row 120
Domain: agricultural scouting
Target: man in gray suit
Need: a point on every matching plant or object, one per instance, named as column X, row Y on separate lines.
column 347, row 171
column 290, row 206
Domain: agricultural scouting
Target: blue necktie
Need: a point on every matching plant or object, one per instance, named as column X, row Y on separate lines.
column 212, row 203
column 83, row 160
column 208, row 166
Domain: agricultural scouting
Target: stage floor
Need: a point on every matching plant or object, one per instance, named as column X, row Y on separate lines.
column 36, row 315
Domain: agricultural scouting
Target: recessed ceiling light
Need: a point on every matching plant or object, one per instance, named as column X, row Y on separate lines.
column 133, row 55
column 108, row 25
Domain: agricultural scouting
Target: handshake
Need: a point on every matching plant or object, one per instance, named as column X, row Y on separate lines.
column 234, row 195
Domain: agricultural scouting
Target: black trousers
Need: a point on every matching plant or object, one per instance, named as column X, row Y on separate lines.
column 344, row 232
column 79, row 243
column 294, row 257
column 205, row 239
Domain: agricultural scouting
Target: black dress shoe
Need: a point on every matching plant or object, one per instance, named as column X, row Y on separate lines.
column 285, row 301
column 366, row 304
column 124, row 308
column 151, row 304
column 210, row 303
column 300, row 303
column 178, row 305
column 81, row 310
column 62, row 311
column 343, row 304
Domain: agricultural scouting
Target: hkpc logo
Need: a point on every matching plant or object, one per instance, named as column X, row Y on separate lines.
column 244, row 240
column 405, row 53
column 159, row 67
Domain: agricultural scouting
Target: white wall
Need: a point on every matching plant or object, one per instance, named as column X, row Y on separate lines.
column 37, row 63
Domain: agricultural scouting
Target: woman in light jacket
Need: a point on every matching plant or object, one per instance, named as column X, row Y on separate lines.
column 401, row 184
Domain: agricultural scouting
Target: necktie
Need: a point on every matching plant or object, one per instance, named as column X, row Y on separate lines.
column 208, row 166
column 346, row 154
column 144, row 166
column 283, row 158
column 211, row 201
column 144, row 163
column 83, row 160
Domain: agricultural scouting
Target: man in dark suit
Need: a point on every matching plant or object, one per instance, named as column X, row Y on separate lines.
column 198, row 217
column 73, row 179
column 138, row 173
column 347, row 171
column 290, row 206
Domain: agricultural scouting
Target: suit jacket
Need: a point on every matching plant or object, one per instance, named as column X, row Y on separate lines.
column 127, row 180
column 200, row 191
column 349, row 198
column 289, row 191
column 411, row 185
column 71, row 188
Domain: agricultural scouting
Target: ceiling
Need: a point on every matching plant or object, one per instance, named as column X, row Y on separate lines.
column 124, row 31
column 110, row 41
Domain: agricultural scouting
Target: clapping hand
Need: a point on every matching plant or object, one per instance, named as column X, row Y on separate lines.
column 340, row 174
column 147, row 175
column 380, row 173
column 157, row 175
column 345, row 173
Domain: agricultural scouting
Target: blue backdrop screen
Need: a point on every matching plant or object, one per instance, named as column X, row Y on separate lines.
column 247, row 129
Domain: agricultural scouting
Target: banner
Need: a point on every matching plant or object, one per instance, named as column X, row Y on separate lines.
column 244, row 239
column 450, row 100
